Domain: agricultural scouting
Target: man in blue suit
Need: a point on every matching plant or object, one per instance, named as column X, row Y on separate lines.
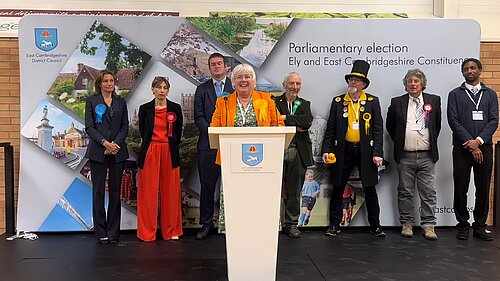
column 204, row 105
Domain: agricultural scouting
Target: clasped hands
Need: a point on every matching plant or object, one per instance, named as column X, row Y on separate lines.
column 473, row 147
column 111, row 148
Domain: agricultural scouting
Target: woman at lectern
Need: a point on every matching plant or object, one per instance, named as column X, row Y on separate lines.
column 106, row 124
column 245, row 107
column 160, row 125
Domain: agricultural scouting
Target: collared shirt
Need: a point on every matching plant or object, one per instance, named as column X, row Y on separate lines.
column 414, row 141
column 223, row 84
column 470, row 87
column 475, row 97
column 353, row 111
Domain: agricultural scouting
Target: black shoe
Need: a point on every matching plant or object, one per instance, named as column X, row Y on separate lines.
column 332, row 231
column 113, row 240
column 204, row 231
column 463, row 233
column 103, row 240
column 377, row 232
column 481, row 234
column 292, row 231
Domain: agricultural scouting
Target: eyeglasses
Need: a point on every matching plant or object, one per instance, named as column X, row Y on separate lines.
column 353, row 79
column 161, row 77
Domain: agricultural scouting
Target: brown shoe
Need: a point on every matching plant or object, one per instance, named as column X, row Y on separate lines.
column 407, row 230
column 292, row 231
column 430, row 233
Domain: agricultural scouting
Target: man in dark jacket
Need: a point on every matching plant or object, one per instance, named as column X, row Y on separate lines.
column 296, row 112
column 204, row 105
column 414, row 123
column 354, row 133
column 473, row 119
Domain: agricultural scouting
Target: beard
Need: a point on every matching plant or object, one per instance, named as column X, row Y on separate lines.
column 352, row 90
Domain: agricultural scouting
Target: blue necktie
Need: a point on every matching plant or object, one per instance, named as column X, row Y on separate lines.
column 218, row 88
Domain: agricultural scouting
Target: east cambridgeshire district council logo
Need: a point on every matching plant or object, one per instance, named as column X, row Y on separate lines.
column 46, row 38
column 252, row 154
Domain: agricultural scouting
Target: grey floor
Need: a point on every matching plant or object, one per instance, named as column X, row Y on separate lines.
column 354, row 255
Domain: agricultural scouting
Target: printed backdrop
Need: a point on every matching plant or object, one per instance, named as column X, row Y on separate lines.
column 60, row 57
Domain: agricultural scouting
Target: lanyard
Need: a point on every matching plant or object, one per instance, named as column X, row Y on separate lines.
column 244, row 110
column 478, row 101
column 356, row 112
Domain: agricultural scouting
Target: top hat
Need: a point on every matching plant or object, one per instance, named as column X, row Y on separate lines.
column 359, row 69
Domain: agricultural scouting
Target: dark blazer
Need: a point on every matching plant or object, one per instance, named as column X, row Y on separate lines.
column 303, row 119
column 112, row 128
column 460, row 109
column 204, row 107
column 147, row 125
column 396, row 123
column 370, row 144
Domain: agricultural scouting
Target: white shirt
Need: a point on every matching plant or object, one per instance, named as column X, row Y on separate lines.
column 414, row 141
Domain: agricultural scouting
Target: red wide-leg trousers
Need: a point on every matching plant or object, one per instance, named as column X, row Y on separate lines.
column 158, row 178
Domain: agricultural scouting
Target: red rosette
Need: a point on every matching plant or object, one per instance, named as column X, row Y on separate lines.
column 171, row 118
column 427, row 110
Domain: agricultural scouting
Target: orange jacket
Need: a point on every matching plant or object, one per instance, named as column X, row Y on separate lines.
column 265, row 112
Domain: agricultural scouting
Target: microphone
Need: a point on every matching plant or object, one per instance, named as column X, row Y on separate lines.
column 225, row 105
column 275, row 109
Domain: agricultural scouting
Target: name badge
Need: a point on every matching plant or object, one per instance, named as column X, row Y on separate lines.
column 416, row 127
column 477, row 115
column 355, row 126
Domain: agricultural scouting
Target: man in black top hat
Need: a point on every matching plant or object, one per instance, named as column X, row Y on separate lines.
column 354, row 133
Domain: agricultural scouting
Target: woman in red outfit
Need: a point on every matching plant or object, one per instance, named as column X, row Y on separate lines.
column 160, row 125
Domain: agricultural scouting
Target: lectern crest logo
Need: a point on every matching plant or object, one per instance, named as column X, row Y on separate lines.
column 46, row 38
column 252, row 154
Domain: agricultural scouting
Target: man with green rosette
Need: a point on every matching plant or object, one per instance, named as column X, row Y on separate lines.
column 295, row 111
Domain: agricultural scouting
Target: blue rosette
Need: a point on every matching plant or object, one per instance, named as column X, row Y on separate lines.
column 100, row 109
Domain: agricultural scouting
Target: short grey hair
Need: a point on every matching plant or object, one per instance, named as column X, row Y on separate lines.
column 240, row 68
column 417, row 73
column 288, row 76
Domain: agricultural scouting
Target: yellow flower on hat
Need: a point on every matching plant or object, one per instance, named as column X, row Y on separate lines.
column 337, row 99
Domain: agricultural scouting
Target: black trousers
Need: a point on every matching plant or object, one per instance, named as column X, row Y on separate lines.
column 106, row 226
column 293, row 175
column 462, row 164
column 352, row 156
column 209, row 173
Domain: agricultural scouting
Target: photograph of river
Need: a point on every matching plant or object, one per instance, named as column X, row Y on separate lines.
column 251, row 38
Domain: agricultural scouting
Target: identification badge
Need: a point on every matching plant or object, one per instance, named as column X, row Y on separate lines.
column 477, row 115
column 355, row 125
column 416, row 127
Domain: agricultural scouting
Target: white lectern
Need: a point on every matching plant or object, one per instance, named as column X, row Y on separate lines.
column 252, row 169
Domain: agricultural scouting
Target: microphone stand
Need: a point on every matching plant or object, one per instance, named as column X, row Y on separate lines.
column 225, row 104
column 275, row 110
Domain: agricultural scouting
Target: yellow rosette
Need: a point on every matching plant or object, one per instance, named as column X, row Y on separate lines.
column 367, row 117
column 260, row 108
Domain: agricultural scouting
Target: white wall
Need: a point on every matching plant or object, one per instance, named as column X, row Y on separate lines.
column 484, row 11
